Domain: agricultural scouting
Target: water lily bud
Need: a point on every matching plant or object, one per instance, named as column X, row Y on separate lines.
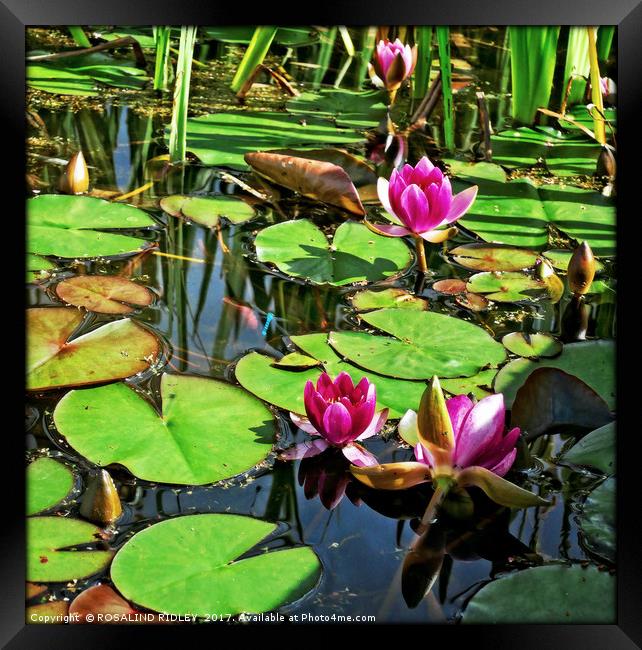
column 101, row 503
column 433, row 420
column 606, row 165
column 581, row 269
column 75, row 180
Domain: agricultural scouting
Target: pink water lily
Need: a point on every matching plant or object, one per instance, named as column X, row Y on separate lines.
column 338, row 414
column 393, row 62
column 457, row 444
column 607, row 86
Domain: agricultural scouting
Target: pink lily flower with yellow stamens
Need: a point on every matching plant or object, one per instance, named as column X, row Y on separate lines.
column 393, row 62
column 457, row 444
column 338, row 414
column 420, row 199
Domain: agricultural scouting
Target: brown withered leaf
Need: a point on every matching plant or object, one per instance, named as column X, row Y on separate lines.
column 103, row 600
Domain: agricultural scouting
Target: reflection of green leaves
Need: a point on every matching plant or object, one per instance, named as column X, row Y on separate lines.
column 113, row 351
column 189, row 566
column 284, row 388
column 546, row 594
column 48, row 483
column 47, row 561
column 72, row 226
column 224, row 138
column 207, row 210
column 208, row 431
column 422, row 344
column 597, row 520
column 593, row 362
column 595, row 450
column 356, row 254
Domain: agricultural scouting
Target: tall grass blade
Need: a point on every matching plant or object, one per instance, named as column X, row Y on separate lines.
column 364, row 54
column 79, row 36
column 604, row 41
column 161, row 65
column 533, row 57
column 254, row 55
column 443, row 44
column 178, row 128
column 325, row 53
column 423, row 40
column 596, row 92
column 577, row 65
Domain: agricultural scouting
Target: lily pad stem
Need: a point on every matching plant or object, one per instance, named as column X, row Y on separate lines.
column 421, row 254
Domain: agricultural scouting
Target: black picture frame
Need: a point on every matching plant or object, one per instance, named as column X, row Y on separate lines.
column 15, row 15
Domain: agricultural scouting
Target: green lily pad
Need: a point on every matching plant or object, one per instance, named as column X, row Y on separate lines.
column 595, row 450
column 532, row 346
column 284, row 388
column 393, row 298
column 222, row 139
column 582, row 115
column 356, row 254
column 105, row 294
column 423, row 344
column 114, row 351
column 519, row 212
column 348, row 108
column 493, row 257
column 208, row 430
column 47, row 557
column 560, row 258
column 597, row 521
column 296, row 360
column 546, row 594
column 506, row 287
column 48, row 483
column 189, row 566
column 38, row 268
column 207, row 210
column 591, row 361
column 73, row 226
column 478, row 385
column 565, row 154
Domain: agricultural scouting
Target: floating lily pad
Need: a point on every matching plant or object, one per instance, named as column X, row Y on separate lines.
column 597, row 521
column 560, row 258
column 52, row 612
column 296, row 360
column 207, row 210
column 532, row 346
column 591, row 361
column 493, row 257
column 72, row 226
column 546, row 594
column 564, row 154
column 519, row 212
column 451, row 286
column 103, row 601
column 507, row 287
column 595, row 450
column 105, row 294
column 189, row 566
column 393, row 298
column 423, row 344
column 48, row 559
column 582, row 115
column 349, row 108
column 38, row 268
column 224, row 138
column 208, row 430
column 479, row 384
column 48, row 483
column 356, row 254
column 284, row 388
column 113, row 351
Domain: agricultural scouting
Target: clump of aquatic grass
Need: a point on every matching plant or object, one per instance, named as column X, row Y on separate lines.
column 443, row 44
column 254, row 55
column 576, row 68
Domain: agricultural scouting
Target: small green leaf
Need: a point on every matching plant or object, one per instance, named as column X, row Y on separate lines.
column 532, row 346
column 207, row 210
column 48, row 483
column 595, row 450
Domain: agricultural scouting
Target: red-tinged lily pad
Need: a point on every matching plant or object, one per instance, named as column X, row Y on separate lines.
column 532, row 346
column 552, row 400
column 507, row 287
column 190, row 566
column 51, row 554
column 393, row 298
column 32, row 590
column 493, row 257
column 451, row 286
column 207, row 210
column 105, row 294
column 103, row 601
column 208, row 430
column 114, row 351
column 473, row 301
column 53, row 612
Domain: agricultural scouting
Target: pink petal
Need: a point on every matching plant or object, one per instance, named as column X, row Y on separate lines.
column 395, row 191
column 305, row 449
column 444, row 200
column 304, row 424
column 382, row 191
column 408, row 59
column 386, row 57
column 359, row 456
column 416, row 207
column 363, row 414
column 325, row 386
column 505, row 464
column 376, row 424
column 337, row 424
column 458, row 408
column 496, row 452
column 391, row 230
column 484, row 422
column 315, row 406
column 407, row 172
column 361, row 389
column 461, row 204
column 343, row 384
column 422, row 171
column 423, row 455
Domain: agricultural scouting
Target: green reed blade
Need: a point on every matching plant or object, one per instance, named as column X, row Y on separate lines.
column 79, row 36
column 604, row 41
column 161, row 66
column 367, row 39
column 443, row 44
column 577, row 65
column 254, row 55
column 596, row 92
column 325, row 53
column 423, row 40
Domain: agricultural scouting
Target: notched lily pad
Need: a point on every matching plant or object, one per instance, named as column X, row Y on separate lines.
column 394, row 298
column 113, row 351
column 48, row 483
column 532, row 346
column 493, row 257
column 301, row 249
column 190, row 566
column 507, row 287
column 209, row 430
column 105, row 294
column 207, row 210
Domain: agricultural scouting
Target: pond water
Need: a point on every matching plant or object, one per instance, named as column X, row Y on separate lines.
column 214, row 303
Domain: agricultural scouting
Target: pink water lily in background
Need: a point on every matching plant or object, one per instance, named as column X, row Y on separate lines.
column 607, row 86
column 422, row 200
column 393, row 62
column 338, row 414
